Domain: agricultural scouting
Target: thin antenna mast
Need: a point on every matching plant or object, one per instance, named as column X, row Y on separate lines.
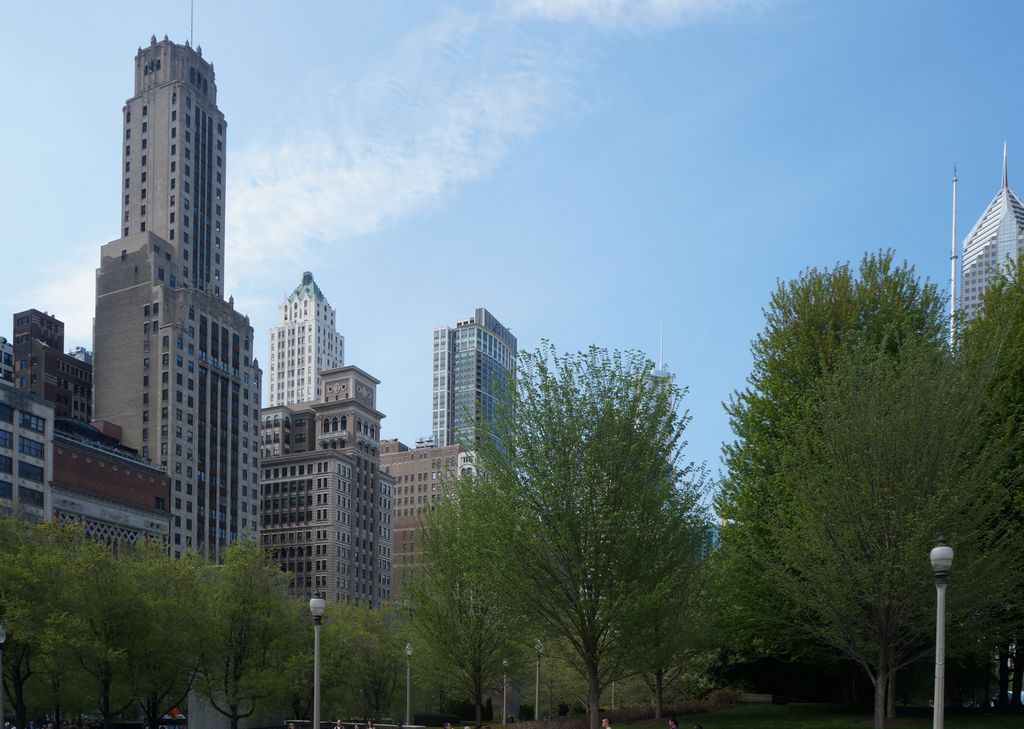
column 191, row 22
column 952, row 265
column 661, row 347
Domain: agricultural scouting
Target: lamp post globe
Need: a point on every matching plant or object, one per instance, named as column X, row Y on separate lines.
column 316, row 608
column 941, row 557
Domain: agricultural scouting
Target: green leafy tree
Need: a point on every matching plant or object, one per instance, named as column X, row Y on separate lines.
column 589, row 509
column 24, row 597
column 992, row 352
column 294, row 658
column 62, row 683
column 376, row 658
column 880, row 456
column 105, row 616
column 62, row 686
column 247, row 606
column 164, row 662
column 669, row 627
column 809, row 322
column 464, row 626
column 339, row 670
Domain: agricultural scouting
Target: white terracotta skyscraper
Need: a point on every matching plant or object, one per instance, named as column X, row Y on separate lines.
column 304, row 343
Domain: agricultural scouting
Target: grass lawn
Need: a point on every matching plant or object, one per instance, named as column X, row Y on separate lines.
column 815, row 716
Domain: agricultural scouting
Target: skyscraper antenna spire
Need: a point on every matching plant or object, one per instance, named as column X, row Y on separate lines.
column 952, row 263
column 661, row 347
column 1005, row 185
column 191, row 22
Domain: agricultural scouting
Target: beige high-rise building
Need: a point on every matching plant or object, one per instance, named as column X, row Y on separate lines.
column 327, row 504
column 173, row 361
column 175, row 139
column 421, row 477
column 304, row 343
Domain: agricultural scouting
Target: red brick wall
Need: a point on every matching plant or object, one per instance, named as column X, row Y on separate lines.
column 78, row 467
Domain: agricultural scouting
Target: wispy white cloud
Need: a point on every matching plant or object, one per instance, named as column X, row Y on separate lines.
column 633, row 14
column 444, row 109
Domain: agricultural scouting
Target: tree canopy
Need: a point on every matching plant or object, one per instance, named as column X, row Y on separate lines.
column 859, row 439
column 589, row 510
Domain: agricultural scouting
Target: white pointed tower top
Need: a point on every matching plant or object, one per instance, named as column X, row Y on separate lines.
column 1005, row 183
column 660, row 373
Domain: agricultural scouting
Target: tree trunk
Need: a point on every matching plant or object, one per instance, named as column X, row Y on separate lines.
column 593, row 696
column 18, row 701
column 105, row 702
column 151, row 709
column 1018, row 672
column 881, row 682
column 1004, row 676
column 659, row 692
column 890, row 696
column 18, row 668
column 56, row 715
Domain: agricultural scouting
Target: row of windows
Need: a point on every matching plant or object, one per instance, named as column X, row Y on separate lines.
column 25, row 470
column 33, row 422
column 30, row 447
column 26, row 495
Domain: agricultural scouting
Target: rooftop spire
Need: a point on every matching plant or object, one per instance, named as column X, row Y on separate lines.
column 661, row 347
column 952, row 271
column 1005, row 185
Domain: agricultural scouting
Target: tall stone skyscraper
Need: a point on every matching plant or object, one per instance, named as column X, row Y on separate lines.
column 995, row 242
column 173, row 361
column 174, row 161
column 304, row 343
column 471, row 362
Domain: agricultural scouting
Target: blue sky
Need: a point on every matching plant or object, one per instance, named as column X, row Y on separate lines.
column 585, row 169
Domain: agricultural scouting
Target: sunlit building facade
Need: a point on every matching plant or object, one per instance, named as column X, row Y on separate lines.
column 471, row 363
column 994, row 243
column 304, row 343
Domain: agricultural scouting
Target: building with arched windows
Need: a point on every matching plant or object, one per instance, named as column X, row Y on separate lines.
column 326, row 506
